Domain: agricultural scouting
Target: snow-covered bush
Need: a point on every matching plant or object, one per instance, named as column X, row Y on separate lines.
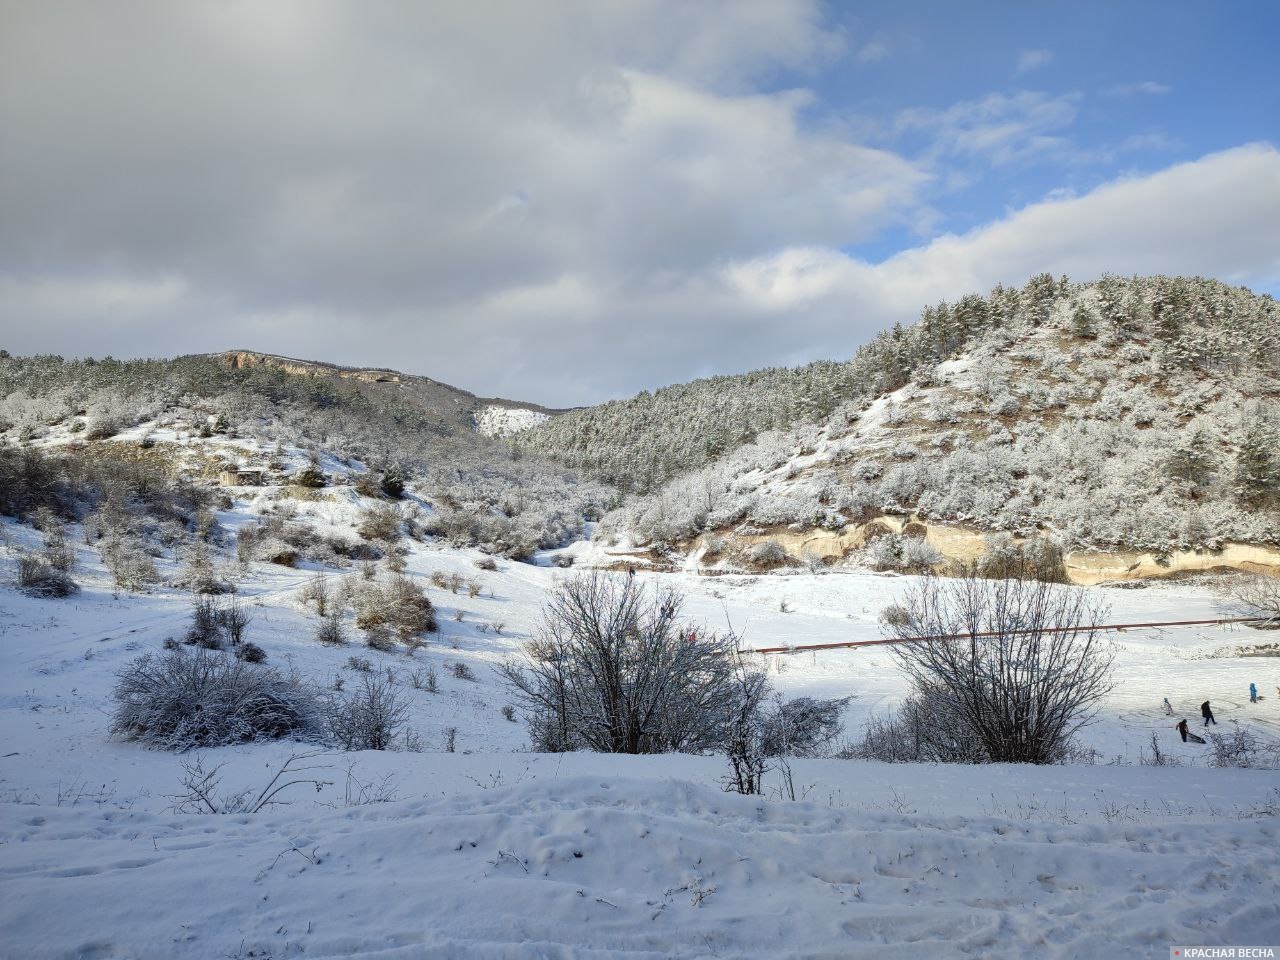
column 179, row 700
column 38, row 578
column 766, row 555
column 925, row 727
column 893, row 551
column 398, row 608
column 1037, row 559
column 250, row 653
column 1241, row 747
column 380, row 522
column 803, row 727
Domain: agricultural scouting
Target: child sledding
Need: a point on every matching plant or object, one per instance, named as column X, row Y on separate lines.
column 1186, row 733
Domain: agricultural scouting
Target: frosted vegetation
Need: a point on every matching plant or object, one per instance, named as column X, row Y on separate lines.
column 59, row 420
column 1130, row 414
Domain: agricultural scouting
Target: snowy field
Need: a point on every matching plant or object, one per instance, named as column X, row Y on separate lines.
column 492, row 851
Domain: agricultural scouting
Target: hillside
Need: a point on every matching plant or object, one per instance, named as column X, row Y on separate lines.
column 165, row 425
column 1121, row 415
column 1193, row 328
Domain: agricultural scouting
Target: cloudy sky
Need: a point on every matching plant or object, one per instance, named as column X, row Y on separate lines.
column 572, row 200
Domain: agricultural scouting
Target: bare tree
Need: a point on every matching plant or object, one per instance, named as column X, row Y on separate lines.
column 613, row 668
column 744, row 741
column 1014, row 664
column 1258, row 592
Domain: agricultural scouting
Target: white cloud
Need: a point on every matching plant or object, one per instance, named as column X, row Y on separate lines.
column 1218, row 216
column 1029, row 60
column 561, row 201
column 1000, row 128
column 873, row 51
column 1147, row 87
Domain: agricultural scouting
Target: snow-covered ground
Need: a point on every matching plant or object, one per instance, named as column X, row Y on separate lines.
column 499, row 421
column 494, row 851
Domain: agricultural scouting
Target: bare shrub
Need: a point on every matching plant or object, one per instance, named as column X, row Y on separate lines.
column 397, row 558
column 235, row 617
column 439, row 580
column 378, row 636
column 400, row 607
column 315, row 593
column 473, row 588
column 614, row 669
column 360, row 664
column 894, row 615
column 207, row 629
column 331, row 630
column 743, row 737
column 180, row 700
column 425, row 679
column 487, row 563
column 410, row 613
column 36, row 578
column 199, row 574
column 130, row 566
column 251, row 653
column 925, row 728
column 451, row 740
column 462, row 672
column 369, row 717
column 1034, row 559
column 892, row 551
column 509, row 713
column 1013, row 664
column 201, row 788
column 1157, row 757
column 57, row 551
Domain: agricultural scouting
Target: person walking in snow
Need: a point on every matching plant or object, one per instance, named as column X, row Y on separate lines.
column 1168, row 707
column 1253, row 693
column 1207, row 713
column 1182, row 729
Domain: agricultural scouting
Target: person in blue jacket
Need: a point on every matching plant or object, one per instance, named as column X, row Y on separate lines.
column 1253, row 693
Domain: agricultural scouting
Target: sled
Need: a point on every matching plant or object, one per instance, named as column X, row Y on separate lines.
column 1192, row 738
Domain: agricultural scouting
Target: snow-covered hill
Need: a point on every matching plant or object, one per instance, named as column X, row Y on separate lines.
column 500, row 421
column 1082, row 422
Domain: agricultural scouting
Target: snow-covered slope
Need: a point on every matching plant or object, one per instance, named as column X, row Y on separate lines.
column 493, row 851
column 575, row 864
column 1095, row 432
column 499, row 421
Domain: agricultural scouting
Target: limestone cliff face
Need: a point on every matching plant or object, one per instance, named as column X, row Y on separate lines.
column 1084, row 567
column 244, row 359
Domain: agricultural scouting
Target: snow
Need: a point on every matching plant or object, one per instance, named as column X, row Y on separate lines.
column 496, row 852
column 608, row 865
column 499, row 421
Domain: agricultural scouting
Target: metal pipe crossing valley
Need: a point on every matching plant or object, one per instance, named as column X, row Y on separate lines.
column 848, row 644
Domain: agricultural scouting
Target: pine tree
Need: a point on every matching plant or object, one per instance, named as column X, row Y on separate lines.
column 1257, row 473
